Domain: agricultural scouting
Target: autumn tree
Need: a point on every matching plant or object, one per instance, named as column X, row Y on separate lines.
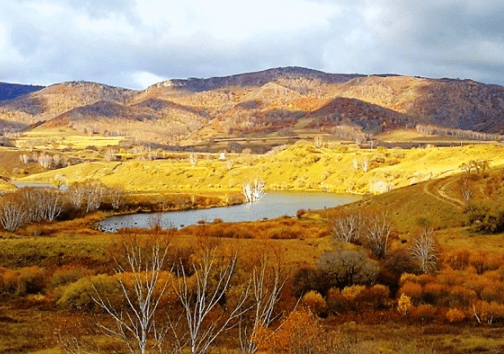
column 424, row 250
column 12, row 215
column 378, row 230
column 205, row 320
column 116, row 196
column 348, row 267
column 347, row 228
column 267, row 283
column 140, row 261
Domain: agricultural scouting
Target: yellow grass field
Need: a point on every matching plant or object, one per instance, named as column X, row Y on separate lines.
column 335, row 168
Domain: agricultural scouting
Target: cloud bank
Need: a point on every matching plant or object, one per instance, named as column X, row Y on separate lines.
column 135, row 43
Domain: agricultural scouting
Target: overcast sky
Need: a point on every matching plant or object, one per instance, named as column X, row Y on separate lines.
column 135, row 43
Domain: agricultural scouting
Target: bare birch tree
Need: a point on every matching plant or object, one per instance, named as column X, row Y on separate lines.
column 347, row 228
column 212, row 283
column 267, row 284
column 378, row 233
column 466, row 189
column 424, row 250
column 12, row 215
column 117, row 197
column 76, row 194
column 143, row 258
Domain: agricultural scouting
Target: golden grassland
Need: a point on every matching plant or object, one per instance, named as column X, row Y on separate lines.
column 62, row 137
column 425, row 191
column 335, row 168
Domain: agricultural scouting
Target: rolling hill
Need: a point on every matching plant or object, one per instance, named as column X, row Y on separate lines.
column 288, row 100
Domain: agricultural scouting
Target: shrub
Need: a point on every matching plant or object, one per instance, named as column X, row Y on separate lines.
column 423, row 312
column 79, row 295
column 297, row 334
column 67, row 275
column 31, row 280
column 486, row 217
column 348, row 267
column 412, row 290
column 455, row 315
column 314, row 302
column 433, row 293
column 336, row 302
column 8, row 281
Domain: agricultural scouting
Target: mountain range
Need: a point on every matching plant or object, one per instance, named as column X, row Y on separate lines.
column 275, row 101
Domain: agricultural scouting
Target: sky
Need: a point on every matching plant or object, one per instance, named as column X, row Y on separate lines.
column 136, row 43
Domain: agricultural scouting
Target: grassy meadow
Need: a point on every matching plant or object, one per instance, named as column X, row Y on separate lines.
column 394, row 301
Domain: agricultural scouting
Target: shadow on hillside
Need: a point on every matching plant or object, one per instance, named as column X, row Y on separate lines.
column 26, row 104
column 462, row 104
column 369, row 116
column 158, row 105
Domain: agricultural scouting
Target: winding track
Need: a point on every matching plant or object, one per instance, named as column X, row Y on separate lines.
column 437, row 189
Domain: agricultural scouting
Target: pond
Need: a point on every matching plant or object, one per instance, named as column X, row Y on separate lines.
column 272, row 205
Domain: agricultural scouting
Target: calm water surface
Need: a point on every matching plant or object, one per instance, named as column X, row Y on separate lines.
column 272, row 205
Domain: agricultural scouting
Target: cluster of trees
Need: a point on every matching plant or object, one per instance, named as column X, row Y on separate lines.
column 354, row 133
column 45, row 160
column 459, row 133
column 29, row 205
column 157, row 301
column 154, row 297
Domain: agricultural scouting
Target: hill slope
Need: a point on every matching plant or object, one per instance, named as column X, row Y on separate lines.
column 270, row 101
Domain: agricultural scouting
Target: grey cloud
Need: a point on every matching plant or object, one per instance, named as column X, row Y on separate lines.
column 107, row 41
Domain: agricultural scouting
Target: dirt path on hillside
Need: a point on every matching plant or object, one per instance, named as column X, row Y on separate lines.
column 437, row 189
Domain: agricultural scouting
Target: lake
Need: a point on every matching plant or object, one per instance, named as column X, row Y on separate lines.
column 271, row 206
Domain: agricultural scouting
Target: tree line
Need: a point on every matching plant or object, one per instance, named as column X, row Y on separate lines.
column 28, row 204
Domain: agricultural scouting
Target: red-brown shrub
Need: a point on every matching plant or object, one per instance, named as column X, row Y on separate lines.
column 297, row 334
column 424, row 313
column 433, row 293
column 336, row 301
column 455, row 315
column 31, row 280
column 314, row 302
column 8, row 281
column 457, row 258
column 412, row 290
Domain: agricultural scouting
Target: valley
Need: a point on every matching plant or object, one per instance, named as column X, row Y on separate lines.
column 414, row 265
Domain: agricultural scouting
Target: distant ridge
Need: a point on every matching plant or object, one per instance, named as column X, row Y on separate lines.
column 283, row 101
column 258, row 78
column 11, row 91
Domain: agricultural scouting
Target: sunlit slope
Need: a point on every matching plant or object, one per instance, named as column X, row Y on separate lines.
column 336, row 168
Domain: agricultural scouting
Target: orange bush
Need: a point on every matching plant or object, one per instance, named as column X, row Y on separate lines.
column 457, row 258
column 488, row 312
column 336, row 301
column 424, row 313
column 455, row 315
column 412, row 290
column 408, row 278
column 426, row 278
column 31, row 280
column 8, row 280
column 314, row 302
column 460, row 296
column 433, row 292
column 297, row 333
